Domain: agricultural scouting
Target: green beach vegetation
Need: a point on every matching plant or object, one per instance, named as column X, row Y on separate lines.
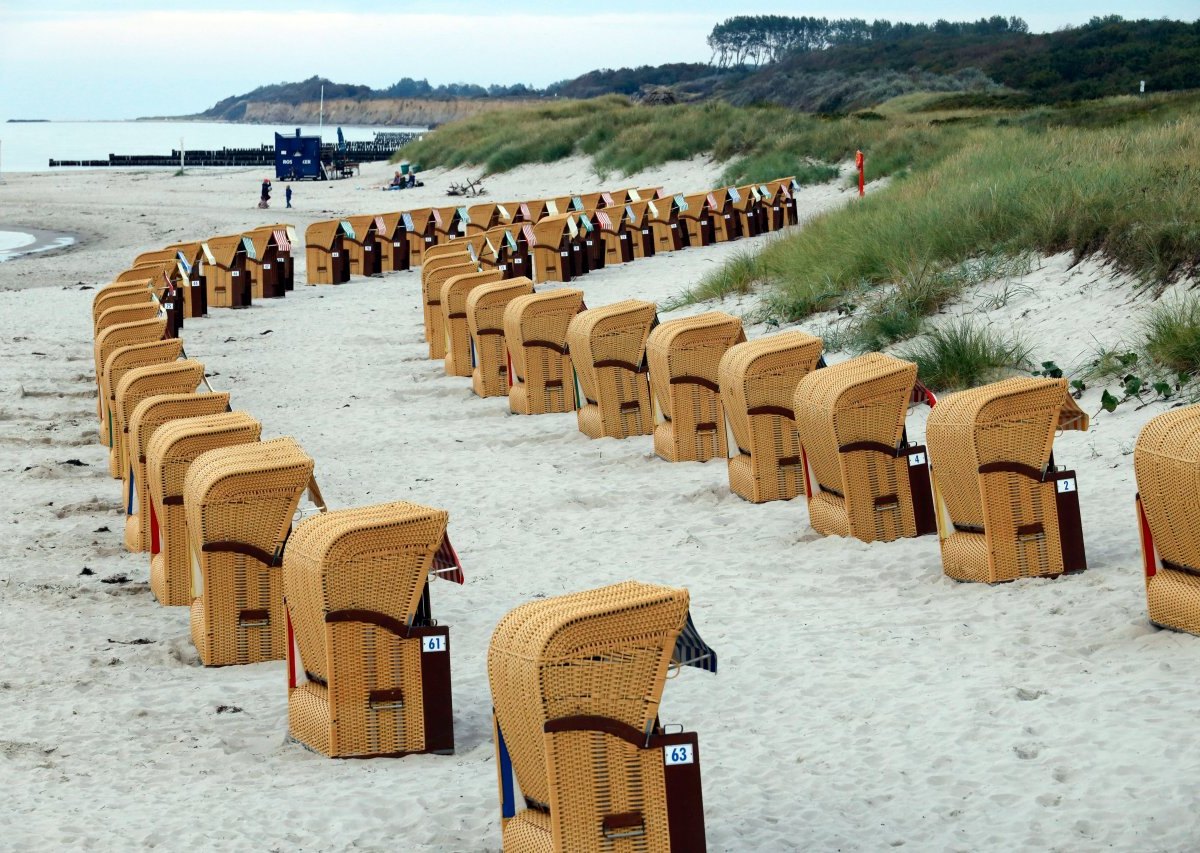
column 975, row 192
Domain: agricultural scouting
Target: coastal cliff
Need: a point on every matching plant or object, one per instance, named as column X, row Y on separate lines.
column 395, row 112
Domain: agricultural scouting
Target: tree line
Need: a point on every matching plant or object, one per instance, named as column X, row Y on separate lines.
column 763, row 39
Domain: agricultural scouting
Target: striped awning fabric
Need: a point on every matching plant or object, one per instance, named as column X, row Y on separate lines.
column 348, row 229
column 437, row 216
column 463, row 215
column 604, row 220
column 282, row 241
column 576, row 203
column 630, row 216
column 691, row 650
column 379, row 224
column 527, row 231
column 446, row 564
column 408, row 222
column 606, row 198
column 524, row 210
column 735, row 194
column 921, row 394
column 681, row 203
column 712, row 201
column 183, row 262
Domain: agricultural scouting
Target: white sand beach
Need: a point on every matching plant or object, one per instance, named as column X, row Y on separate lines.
column 863, row 701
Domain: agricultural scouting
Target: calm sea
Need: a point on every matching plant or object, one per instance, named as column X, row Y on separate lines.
column 29, row 146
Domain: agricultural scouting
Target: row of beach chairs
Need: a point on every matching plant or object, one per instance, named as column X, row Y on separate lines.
column 343, row 595
column 229, row 271
column 784, row 421
column 552, row 239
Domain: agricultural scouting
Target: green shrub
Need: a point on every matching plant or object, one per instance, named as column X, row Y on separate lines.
column 1172, row 333
column 962, row 354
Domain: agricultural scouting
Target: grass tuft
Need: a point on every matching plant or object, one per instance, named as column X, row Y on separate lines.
column 962, row 354
column 1172, row 334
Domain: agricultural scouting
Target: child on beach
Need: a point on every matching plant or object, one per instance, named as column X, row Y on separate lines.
column 287, row 196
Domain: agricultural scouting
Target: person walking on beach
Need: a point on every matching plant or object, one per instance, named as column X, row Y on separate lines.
column 287, row 196
column 266, row 193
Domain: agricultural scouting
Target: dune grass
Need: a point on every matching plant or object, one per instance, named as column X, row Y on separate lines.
column 1124, row 193
column 758, row 143
column 1172, row 334
column 964, row 354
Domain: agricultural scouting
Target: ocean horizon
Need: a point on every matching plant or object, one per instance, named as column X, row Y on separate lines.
column 28, row 145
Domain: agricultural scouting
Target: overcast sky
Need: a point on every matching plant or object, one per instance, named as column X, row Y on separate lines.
column 91, row 59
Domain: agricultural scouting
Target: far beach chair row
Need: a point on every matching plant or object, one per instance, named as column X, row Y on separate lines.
column 553, row 239
column 343, row 596
column 229, row 271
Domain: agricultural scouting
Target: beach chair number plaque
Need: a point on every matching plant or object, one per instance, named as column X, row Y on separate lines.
column 916, row 459
column 266, row 266
column 1067, row 485
column 433, row 644
column 334, row 254
column 235, row 273
column 678, row 754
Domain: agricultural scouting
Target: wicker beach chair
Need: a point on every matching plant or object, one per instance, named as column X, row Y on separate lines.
column 138, row 296
column 376, row 667
column 663, row 219
column 190, row 259
column 614, row 234
column 175, row 377
column 862, row 477
column 239, row 503
column 454, row 296
column 576, row 685
column 758, row 381
column 783, row 202
column 270, row 266
column 434, row 275
column 171, row 451
column 535, row 331
column 485, row 309
column 112, row 295
column 551, row 247
column 228, row 277
column 683, row 356
column 147, row 309
column 393, row 241
column 608, row 351
column 1005, row 511
column 327, row 255
column 725, row 220
column 1166, row 463
column 118, row 363
column 362, row 243
column 145, row 419
column 109, row 341
column 422, row 234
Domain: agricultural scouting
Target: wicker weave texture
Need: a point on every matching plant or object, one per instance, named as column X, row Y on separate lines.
column 535, row 331
column 602, row 652
column 433, row 276
column 683, row 356
column 862, row 492
column 169, row 455
column 1166, row 463
column 376, row 559
column 245, row 495
column 1010, row 422
column 147, row 310
column 454, row 316
column 145, row 419
column 485, row 322
column 113, row 295
column 122, row 335
column 174, row 377
column 758, row 382
column 119, row 362
column 608, row 348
